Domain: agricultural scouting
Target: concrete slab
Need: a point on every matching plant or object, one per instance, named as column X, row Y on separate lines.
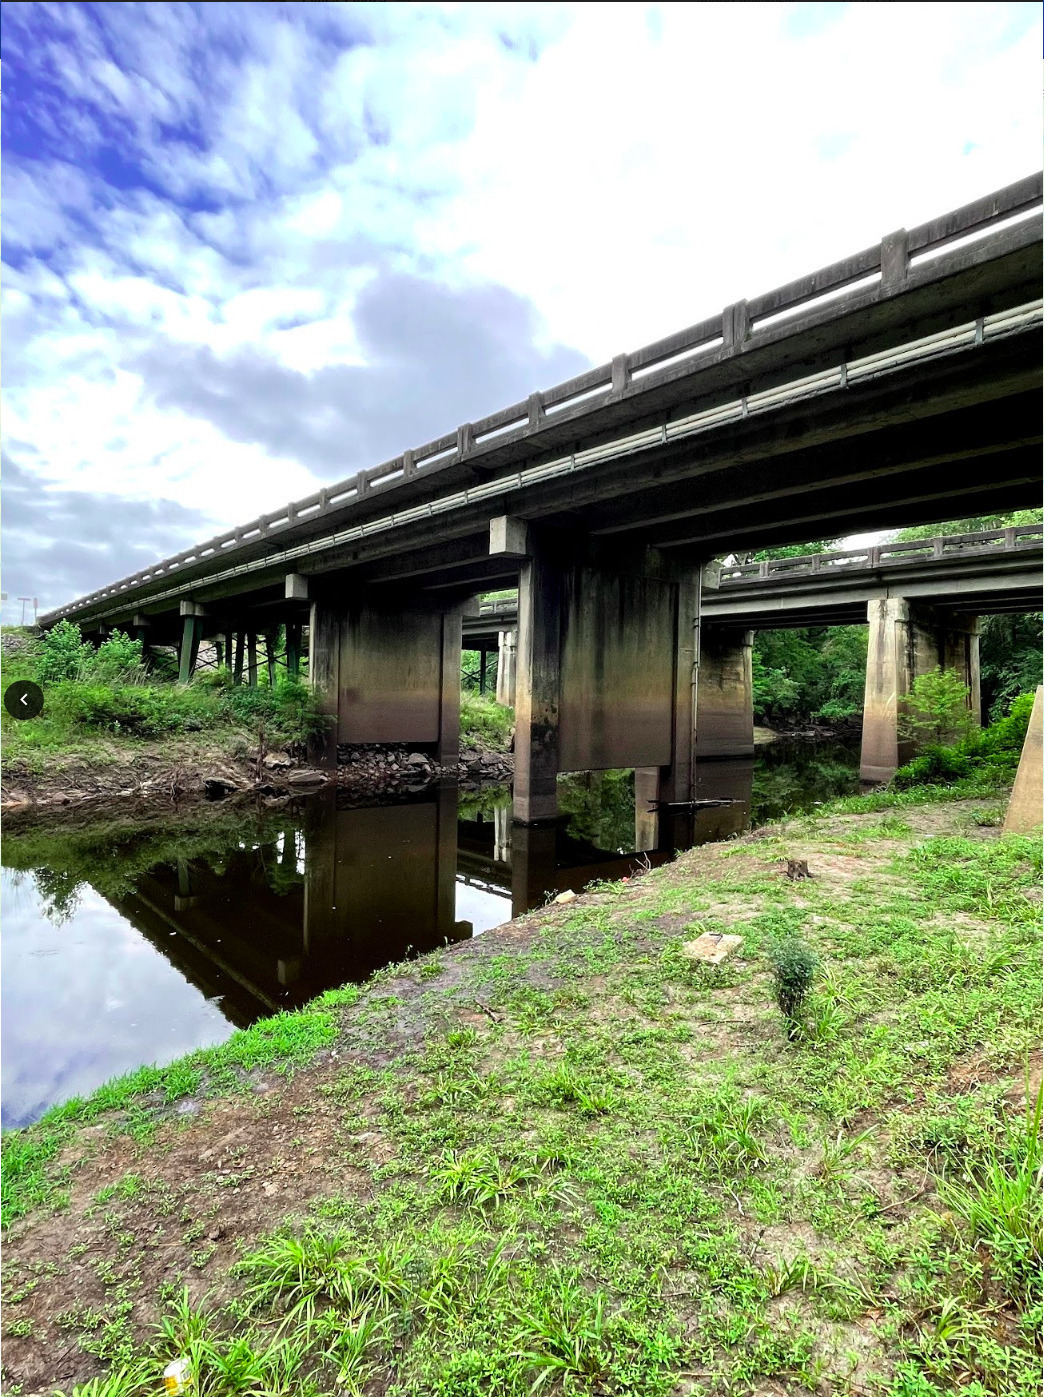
column 1026, row 807
column 711, row 948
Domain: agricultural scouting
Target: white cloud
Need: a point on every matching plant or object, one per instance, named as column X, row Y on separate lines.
column 621, row 170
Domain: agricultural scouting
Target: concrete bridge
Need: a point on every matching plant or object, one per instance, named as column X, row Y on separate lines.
column 897, row 386
column 922, row 600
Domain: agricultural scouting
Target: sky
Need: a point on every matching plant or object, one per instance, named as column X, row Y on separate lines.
column 249, row 249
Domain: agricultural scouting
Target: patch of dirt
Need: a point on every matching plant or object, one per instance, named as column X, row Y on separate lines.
column 265, row 1156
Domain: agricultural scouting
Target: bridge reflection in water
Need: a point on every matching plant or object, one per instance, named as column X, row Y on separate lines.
column 337, row 894
column 106, row 969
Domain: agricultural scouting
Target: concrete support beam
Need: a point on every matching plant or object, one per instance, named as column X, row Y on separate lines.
column 507, row 654
column 905, row 642
column 251, row 640
column 725, row 694
column 237, row 668
column 508, row 537
column 191, row 608
column 191, row 635
column 606, row 649
column 296, row 587
column 538, row 687
column 1025, row 807
column 387, row 672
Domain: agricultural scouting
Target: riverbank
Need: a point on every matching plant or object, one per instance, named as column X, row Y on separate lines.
column 144, row 777
column 566, row 1148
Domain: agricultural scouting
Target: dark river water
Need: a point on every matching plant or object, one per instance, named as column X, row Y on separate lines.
column 122, row 948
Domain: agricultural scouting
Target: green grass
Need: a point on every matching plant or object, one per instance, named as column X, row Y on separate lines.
column 627, row 1177
column 283, row 1042
column 484, row 722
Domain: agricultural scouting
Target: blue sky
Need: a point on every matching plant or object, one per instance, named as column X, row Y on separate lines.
column 250, row 248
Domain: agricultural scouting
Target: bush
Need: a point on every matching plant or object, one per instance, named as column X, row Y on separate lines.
column 995, row 750
column 793, row 970
column 61, row 654
column 937, row 708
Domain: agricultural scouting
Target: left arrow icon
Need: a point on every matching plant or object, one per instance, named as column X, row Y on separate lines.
column 23, row 699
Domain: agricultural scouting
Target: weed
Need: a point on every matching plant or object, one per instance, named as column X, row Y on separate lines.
column 999, row 1198
column 793, row 970
column 479, row 1176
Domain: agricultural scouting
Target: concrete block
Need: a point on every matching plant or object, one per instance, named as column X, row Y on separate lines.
column 508, row 537
column 296, row 587
column 711, row 948
column 1027, row 796
column 191, row 608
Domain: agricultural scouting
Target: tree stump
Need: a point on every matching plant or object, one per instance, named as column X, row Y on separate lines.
column 797, row 868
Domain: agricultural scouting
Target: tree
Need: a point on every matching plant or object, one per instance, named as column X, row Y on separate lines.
column 936, row 710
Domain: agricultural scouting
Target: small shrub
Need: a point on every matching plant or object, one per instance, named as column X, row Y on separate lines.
column 793, row 971
column 62, row 654
column 937, row 708
column 993, row 753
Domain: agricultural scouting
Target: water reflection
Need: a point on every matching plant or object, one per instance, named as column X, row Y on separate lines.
column 125, row 951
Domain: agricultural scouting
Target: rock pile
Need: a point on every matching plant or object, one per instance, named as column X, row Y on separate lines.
column 385, row 769
column 477, row 768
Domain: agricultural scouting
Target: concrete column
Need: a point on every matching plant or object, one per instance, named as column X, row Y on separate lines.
column 237, row 668
column 905, row 642
column 482, row 671
column 538, row 686
column 725, row 694
column 191, row 635
column 387, row 673
column 293, row 650
column 889, row 659
column 959, row 651
column 270, row 656
column 506, row 658
column 252, row 658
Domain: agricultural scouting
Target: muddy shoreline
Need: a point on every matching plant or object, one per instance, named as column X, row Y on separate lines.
column 160, row 776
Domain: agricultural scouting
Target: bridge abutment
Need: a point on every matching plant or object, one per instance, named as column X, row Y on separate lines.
column 908, row 640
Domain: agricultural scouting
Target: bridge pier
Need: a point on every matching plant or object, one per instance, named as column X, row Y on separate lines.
column 606, row 645
column 725, row 694
column 387, row 672
column 507, row 651
column 907, row 640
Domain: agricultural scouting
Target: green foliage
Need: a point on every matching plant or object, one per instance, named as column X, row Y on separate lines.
column 999, row 1199
column 1010, row 660
column 484, row 722
column 107, row 690
column 978, row 523
column 799, row 675
column 793, row 971
column 990, row 755
column 61, row 654
column 937, row 708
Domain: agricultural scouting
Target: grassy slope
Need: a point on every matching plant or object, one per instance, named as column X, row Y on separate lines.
column 562, row 1154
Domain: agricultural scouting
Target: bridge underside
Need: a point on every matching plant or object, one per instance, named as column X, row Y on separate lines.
column 909, row 401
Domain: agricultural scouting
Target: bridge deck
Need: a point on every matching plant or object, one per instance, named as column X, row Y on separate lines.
column 844, row 399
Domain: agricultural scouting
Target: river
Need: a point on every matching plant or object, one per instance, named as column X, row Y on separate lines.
column 128, row 948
